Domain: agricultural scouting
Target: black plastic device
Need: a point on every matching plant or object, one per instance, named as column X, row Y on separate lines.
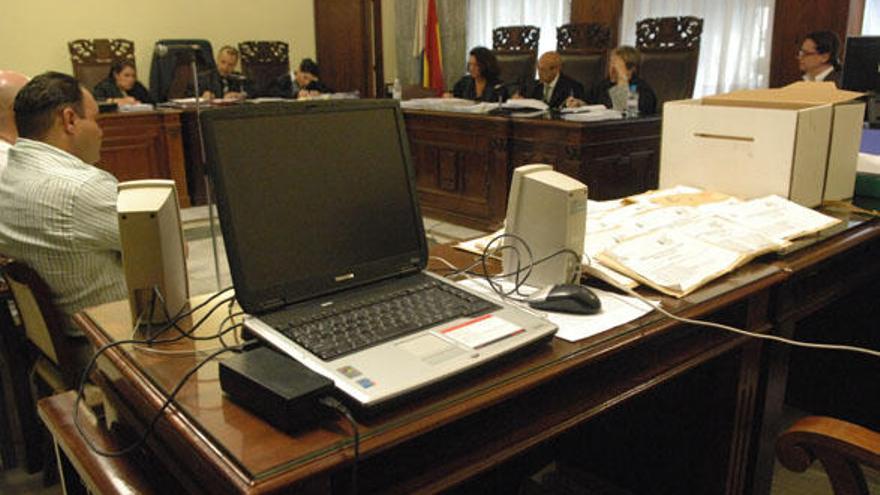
column 275, row 387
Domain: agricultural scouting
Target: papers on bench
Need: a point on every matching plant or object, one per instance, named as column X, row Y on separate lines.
column 448, row 105
column 678, row 239
column 136, row 107
column 616, row 310
column 590, row 113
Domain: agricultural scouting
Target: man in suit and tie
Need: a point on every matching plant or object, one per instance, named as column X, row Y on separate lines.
column 553, row 87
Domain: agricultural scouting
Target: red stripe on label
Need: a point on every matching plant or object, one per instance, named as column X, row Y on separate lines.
column 456, row 327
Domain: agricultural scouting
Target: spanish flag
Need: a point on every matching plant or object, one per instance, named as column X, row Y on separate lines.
column 432, row 58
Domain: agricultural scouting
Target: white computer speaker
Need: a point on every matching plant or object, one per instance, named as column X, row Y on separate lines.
column 153, row 254
column 548, row 210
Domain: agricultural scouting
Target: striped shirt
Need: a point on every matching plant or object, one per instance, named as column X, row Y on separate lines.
column 4, row 149
column 58, row 215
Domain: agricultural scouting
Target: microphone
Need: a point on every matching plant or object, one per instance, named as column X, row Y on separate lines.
column 163, row 49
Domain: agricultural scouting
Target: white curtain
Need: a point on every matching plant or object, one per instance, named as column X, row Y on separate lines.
column 735, row 45
column 486, row 15
column 871, row 21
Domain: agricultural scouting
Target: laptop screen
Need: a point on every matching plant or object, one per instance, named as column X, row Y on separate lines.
column 313, row 197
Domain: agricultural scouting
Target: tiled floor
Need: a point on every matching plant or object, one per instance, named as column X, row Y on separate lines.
column 203, row 280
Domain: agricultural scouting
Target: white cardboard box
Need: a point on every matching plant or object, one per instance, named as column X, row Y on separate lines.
column 800, row 142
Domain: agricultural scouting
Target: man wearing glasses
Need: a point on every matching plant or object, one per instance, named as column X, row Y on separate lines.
column 818, row 57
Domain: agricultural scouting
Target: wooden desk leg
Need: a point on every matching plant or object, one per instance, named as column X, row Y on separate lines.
column 775, row 382
column 19, row 363
column 7, row 400
column 70, row 481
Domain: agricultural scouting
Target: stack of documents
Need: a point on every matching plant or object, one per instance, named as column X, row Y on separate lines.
column 448, row 105
column 136, row 107
column 678, row 239
column 590, row 113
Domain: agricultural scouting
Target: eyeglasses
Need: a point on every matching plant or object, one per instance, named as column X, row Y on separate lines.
column 802, row 53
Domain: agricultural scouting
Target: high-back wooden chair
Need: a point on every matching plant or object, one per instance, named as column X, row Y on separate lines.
column 841, row 447
column 91, row 59
column 55, row 360
column 583, row 49
column 670, row 49
column 262, row 62
column 516, row 48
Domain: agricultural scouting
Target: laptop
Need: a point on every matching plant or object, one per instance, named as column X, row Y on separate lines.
column 321, row 223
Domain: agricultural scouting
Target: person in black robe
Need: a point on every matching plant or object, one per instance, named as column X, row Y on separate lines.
column 483, row 82
column 121, row 86
column 304, row 81
column 553, row 87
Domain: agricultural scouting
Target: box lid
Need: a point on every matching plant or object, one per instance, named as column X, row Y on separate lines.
column 802, row 94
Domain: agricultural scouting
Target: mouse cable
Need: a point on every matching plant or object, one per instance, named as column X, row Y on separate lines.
column 775, row 338
column 340, row 409
column 141, row 440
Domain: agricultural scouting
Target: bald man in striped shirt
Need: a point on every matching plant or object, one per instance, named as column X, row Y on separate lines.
column 58, row 211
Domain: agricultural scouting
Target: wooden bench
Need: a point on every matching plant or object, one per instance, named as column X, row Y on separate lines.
column 81, row 469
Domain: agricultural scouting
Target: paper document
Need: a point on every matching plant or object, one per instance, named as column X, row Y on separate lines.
column 136, row 107
column 458, row 105
column 593, row 116
column 584, row 108
column 616, row 310
column 778, row 217
column 525, row 103
column 670, row 261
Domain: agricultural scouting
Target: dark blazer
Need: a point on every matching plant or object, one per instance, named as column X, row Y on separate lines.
column 285, row 87
column 466, row 88
column 107, row 89
column 836, row 77
column 598, row 93
column 564, row 88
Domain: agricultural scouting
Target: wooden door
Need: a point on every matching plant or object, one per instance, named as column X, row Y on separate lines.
column 792, row 20
column 348, row 34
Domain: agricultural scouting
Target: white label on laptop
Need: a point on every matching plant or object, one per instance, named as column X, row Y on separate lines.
column 482, row 331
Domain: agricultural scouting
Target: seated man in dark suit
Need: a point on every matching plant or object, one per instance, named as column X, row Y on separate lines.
column 224, row 81
column 552, row 87
column 818, row 57
column 302, row 82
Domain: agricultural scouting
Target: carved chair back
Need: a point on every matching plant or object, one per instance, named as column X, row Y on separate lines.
column 262, row 62
column 516, row 48
column 91, row 59
column 670, row 49
column 583, row 49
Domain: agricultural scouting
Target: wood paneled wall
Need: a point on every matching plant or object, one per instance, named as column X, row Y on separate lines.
column 607, row 11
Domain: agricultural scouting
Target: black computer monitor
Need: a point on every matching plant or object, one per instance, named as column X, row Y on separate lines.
column 861, row 67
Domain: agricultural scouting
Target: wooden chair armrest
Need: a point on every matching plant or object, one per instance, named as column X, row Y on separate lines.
column 103, row 475
column 840, row 446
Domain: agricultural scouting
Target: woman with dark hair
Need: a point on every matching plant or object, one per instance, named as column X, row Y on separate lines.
column 482, row 82
column 818, row 57
column 122, row 86
column 300, row 83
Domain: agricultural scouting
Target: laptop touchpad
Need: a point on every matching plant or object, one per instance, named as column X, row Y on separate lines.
column 431, row 349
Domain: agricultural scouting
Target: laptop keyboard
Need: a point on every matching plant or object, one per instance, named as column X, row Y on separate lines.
column 347, row 327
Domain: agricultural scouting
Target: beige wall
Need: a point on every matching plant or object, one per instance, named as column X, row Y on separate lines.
column 34, row 33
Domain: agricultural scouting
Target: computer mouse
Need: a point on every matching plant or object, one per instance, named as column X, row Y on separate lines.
column 566, row 298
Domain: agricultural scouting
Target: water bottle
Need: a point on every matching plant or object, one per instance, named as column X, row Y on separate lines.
column 632, row 102
column 396, row 91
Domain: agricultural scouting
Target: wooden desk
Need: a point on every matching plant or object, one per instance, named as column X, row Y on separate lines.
column 830, row 296
column 649, row 404
column 464, row 162
column 144, row 145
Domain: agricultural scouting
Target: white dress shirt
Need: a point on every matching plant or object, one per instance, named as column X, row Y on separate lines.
column 58, row 215
column 820, row 76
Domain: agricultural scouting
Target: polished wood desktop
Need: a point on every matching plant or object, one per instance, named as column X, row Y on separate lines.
column 653, row 405
column 144, row 145
column 464, row 162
